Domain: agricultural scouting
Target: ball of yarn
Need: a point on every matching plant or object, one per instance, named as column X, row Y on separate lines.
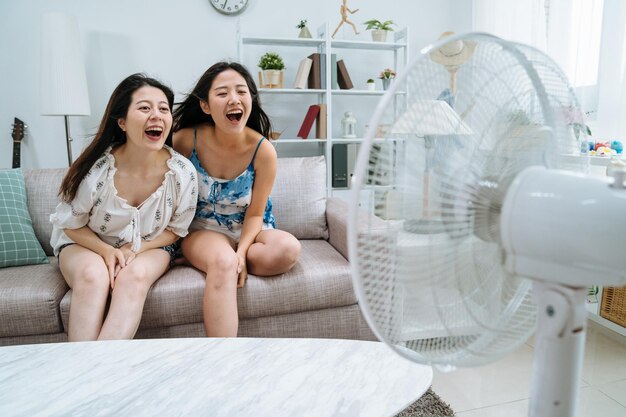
column 617, row 146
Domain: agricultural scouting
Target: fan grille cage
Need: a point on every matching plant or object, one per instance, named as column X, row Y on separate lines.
column 429, row 265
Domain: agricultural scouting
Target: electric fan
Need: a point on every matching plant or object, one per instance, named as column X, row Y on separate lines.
column 483, row 230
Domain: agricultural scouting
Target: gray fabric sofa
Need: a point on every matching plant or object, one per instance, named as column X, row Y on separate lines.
column 314, row 299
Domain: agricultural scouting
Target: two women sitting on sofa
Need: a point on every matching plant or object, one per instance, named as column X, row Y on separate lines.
column 129, row 198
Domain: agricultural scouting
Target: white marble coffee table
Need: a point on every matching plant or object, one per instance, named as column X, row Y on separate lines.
column 208, row 377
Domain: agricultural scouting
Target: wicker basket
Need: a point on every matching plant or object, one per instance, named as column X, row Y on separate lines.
column 613, row 305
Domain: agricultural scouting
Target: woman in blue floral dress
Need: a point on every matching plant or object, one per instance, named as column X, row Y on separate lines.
column 222, row 129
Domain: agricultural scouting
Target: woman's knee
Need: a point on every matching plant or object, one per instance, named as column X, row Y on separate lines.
column 133, row 279
column 276, row 257
column 92, row 278
column 222, row 269
column 290, row 252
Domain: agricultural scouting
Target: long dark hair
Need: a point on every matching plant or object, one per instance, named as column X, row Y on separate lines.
column 189, row 113
column 109, row 133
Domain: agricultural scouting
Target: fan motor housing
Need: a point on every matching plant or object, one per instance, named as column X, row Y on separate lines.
column 545, row 214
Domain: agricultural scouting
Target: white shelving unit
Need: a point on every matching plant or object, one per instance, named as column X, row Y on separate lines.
column 393, row 54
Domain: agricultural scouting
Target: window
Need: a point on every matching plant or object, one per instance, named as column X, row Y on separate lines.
column 583, row 47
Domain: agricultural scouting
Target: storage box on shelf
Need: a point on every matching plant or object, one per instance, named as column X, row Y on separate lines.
column 609, row 308
column 613, row 305
column 287, row 106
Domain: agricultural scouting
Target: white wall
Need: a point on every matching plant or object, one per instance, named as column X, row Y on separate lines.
column 174, row 41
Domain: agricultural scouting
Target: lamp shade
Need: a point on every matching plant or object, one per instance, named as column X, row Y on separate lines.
column 430, row 117
column 63, row 80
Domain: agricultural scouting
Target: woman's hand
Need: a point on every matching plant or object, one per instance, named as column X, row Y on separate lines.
column 129, row 255
column 242, row 270
column 115, row 260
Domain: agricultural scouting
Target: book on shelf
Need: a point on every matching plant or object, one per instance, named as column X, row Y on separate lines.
column 343, row 78
column 307, row 123
column 340, row 165
column 343, row 164
column 320, row 122
column 333, row 72
column 323, row 71
column 315, row 77
column 302, row 75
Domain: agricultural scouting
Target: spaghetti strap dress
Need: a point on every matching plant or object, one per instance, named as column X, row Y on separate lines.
column 222, row 203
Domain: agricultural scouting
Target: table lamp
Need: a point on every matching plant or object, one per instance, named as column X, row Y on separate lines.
column 428, row 120
column 63, row 80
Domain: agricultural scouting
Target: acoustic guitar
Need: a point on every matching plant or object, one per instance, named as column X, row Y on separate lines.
column 18, row 135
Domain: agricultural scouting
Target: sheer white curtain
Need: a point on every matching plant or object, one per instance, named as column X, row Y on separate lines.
column 574, row 34
column 611, row 116
column 514, row 20
column 587, row 38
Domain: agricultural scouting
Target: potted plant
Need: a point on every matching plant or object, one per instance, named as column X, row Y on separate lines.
column 304, row 31
column 371, row 85
column 387, row 75
column 272, row 65
column 379, row 29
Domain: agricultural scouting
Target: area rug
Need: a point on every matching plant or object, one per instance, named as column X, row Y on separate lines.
column 429, row 405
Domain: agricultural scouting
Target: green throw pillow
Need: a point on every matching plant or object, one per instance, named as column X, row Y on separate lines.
column 18, row 243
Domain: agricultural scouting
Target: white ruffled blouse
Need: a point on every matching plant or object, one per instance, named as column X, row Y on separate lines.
column 97, row 205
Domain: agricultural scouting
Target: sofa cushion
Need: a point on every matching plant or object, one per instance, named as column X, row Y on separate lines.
column 43, row 186
column 335, row 323
column 299, row 197
column 18, row 243
column 29, row 299
column 321, row 279
column 176, row 298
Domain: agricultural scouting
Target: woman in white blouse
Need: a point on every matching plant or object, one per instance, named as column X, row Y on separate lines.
column 124, row 203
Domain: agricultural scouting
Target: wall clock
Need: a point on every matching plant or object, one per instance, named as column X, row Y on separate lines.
column 229, row 7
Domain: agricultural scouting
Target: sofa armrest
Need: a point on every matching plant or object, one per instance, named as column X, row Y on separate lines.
column 337, row 218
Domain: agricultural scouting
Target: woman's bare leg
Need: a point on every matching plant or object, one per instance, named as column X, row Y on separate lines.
column 273, row 252
column 129, row 295
column 87, row 275
column 213, row 253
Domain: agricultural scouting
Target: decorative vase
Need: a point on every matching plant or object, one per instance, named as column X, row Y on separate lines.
column 386, row 83
column 371, row 87
column 272, row 78
column 304, row 33
column 379, row 35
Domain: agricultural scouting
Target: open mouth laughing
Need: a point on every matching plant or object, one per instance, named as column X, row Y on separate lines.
column 154, row 132
column 234, row 115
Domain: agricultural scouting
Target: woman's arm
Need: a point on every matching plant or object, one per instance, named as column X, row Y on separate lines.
column 167, row 237
column 114, row 258
column 265, row 173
